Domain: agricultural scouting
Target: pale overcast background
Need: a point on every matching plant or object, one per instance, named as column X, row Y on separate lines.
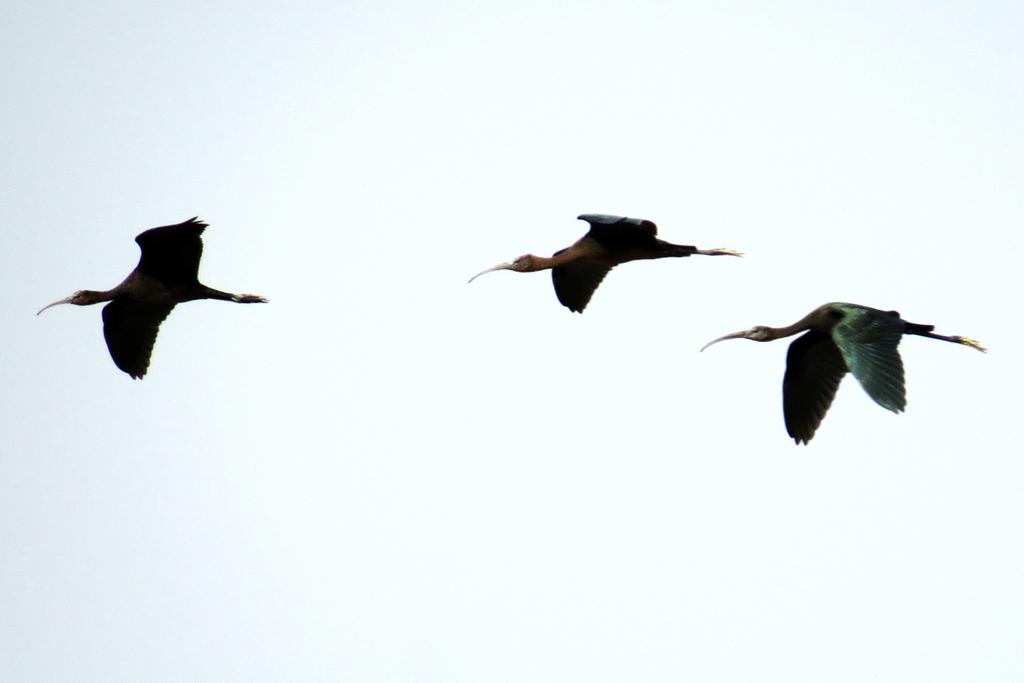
column 387, row 474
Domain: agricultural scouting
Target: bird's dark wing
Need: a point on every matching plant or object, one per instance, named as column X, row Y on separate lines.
column 814, row 368
column 616, row 233
column 868, row 339
column 130, row 328
column 575, row 282
column 171, row 253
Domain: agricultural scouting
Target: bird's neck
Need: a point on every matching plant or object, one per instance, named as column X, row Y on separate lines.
column 808, row 322
column 88, row 297
column 546, row 262
column 543, row 263
column 787, row 331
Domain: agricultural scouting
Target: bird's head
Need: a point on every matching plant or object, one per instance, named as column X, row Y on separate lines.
column 82, row 297
column 759, row 333
column 523, row 264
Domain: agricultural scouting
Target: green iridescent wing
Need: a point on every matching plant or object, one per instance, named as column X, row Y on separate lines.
column 868, row 340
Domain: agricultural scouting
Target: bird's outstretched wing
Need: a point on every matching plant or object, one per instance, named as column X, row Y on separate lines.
column 617, row 233
column 868, row 340
column 814, row 368
column 575, row 282
column 171, row 253
column 130, row 328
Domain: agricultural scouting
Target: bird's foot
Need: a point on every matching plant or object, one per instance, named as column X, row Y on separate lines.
column 973, row 344
column 249, row 299
column 722, row 252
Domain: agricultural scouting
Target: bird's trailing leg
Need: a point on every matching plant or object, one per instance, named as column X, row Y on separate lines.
column 211, row 293
column 972, row 343
column 719, row 252
column 926, row 331
column 248, row 299
column 966, row 341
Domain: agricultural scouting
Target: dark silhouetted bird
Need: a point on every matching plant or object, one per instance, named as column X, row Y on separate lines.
column 167, row 275
column 841, row 338
column 577, row 270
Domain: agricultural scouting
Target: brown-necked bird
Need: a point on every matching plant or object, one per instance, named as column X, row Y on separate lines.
column 577, row 270
column 841, row 338
column 167, row 275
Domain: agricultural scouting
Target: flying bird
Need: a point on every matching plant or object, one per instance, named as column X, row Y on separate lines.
column 577, row 270
column 840, row 338
column 167, row 275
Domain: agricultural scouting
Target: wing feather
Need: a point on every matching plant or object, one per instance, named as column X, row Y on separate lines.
column 171, row 253
column 868, row 340
column 814, row 369
column 576, row 282
column 130, row 329
column 617, row 233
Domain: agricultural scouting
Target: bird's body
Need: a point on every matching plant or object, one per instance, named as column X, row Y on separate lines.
column 577, row 270
column 167, row 275
column 839, row 338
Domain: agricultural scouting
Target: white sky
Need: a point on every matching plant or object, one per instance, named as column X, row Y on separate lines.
column 387, row 474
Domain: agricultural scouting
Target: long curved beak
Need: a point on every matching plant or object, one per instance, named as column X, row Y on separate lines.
column 500, row 266
column 735, row 335
column 65, row 300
